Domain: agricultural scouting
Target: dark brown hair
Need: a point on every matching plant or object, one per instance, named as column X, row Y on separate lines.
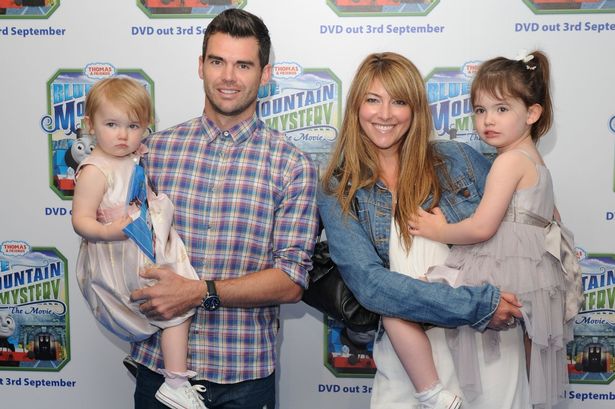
column 241, row 24
column 526, row 80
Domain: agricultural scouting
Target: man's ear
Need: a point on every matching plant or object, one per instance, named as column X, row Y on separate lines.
column 533, row 113
column 266, row 74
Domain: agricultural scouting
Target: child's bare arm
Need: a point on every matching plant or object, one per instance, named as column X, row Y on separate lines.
column 502, row 181
column 89, row 191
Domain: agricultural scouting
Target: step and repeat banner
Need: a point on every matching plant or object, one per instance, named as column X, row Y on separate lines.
column 52, row 352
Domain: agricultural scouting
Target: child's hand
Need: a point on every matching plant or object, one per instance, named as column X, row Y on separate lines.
column 429, row 225
column 113, row 231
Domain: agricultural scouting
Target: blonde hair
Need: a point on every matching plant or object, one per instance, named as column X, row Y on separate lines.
column 124, row 92
column 527, row 81
column 358, row 165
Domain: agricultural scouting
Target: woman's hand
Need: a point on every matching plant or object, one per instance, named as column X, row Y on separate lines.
column 507, row 312
column 429, row 225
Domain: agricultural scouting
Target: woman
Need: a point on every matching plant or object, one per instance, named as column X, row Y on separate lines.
column 387, row 168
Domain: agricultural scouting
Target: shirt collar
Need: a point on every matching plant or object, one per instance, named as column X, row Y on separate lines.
column 238, row 133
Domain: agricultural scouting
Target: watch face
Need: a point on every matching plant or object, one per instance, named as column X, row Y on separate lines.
column 211, row 303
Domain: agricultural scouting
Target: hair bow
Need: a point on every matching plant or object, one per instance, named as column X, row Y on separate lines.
column 523, row 56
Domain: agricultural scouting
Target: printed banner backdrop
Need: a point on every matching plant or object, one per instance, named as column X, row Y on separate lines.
column 53, row 353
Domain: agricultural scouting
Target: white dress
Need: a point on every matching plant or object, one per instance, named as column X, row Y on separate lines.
column 504, row 381
column 107, row 272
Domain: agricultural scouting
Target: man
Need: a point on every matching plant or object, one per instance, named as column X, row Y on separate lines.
column 246, row 210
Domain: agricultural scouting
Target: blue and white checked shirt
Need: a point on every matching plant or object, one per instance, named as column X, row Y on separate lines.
column 244, row 201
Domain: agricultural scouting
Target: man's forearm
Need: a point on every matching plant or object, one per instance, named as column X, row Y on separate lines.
column 265, row 287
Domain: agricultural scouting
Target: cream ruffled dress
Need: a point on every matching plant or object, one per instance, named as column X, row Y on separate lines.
column 107, row 272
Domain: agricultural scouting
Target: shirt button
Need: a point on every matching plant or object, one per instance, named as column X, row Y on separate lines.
column 465, row 193
column 226, row 133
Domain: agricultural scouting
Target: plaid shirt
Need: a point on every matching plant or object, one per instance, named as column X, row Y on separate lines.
column 244, row 201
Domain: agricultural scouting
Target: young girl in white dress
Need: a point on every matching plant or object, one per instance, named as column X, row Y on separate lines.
column 118, row 112
column 505, row 242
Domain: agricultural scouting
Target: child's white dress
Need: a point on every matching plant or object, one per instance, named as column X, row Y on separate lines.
column 107, row 272
column 515, row 259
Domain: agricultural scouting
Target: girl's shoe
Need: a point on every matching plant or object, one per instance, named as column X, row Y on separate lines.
column 187, row 396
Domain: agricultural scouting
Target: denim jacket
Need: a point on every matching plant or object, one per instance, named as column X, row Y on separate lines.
column 360, row 248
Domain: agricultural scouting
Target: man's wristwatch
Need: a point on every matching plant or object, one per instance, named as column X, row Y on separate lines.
column 211, row 301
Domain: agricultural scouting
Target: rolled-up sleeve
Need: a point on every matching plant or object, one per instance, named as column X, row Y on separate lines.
column 296, row 222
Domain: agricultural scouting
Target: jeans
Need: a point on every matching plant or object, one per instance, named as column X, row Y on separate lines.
column 254, row 394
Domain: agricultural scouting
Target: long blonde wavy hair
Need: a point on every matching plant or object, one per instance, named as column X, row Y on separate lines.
column 357, row 163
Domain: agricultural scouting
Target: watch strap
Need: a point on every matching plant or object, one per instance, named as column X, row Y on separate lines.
column 211, row 288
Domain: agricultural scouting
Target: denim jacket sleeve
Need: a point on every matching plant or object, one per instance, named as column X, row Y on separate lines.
column 393, row 294
column 462, row 176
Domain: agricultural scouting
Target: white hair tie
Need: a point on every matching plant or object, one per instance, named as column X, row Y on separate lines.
column 523, row 56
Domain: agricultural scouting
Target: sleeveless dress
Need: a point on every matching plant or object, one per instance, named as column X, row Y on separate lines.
column 516, row 260
column 504, row 380
column 107, row 272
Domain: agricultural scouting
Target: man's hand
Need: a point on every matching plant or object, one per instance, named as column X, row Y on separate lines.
column 506, row 313
column 171, row 296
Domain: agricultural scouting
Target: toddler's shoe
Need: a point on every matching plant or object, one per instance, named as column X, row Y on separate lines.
column 447, row 400
column 187, row 396
column 443, row 400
